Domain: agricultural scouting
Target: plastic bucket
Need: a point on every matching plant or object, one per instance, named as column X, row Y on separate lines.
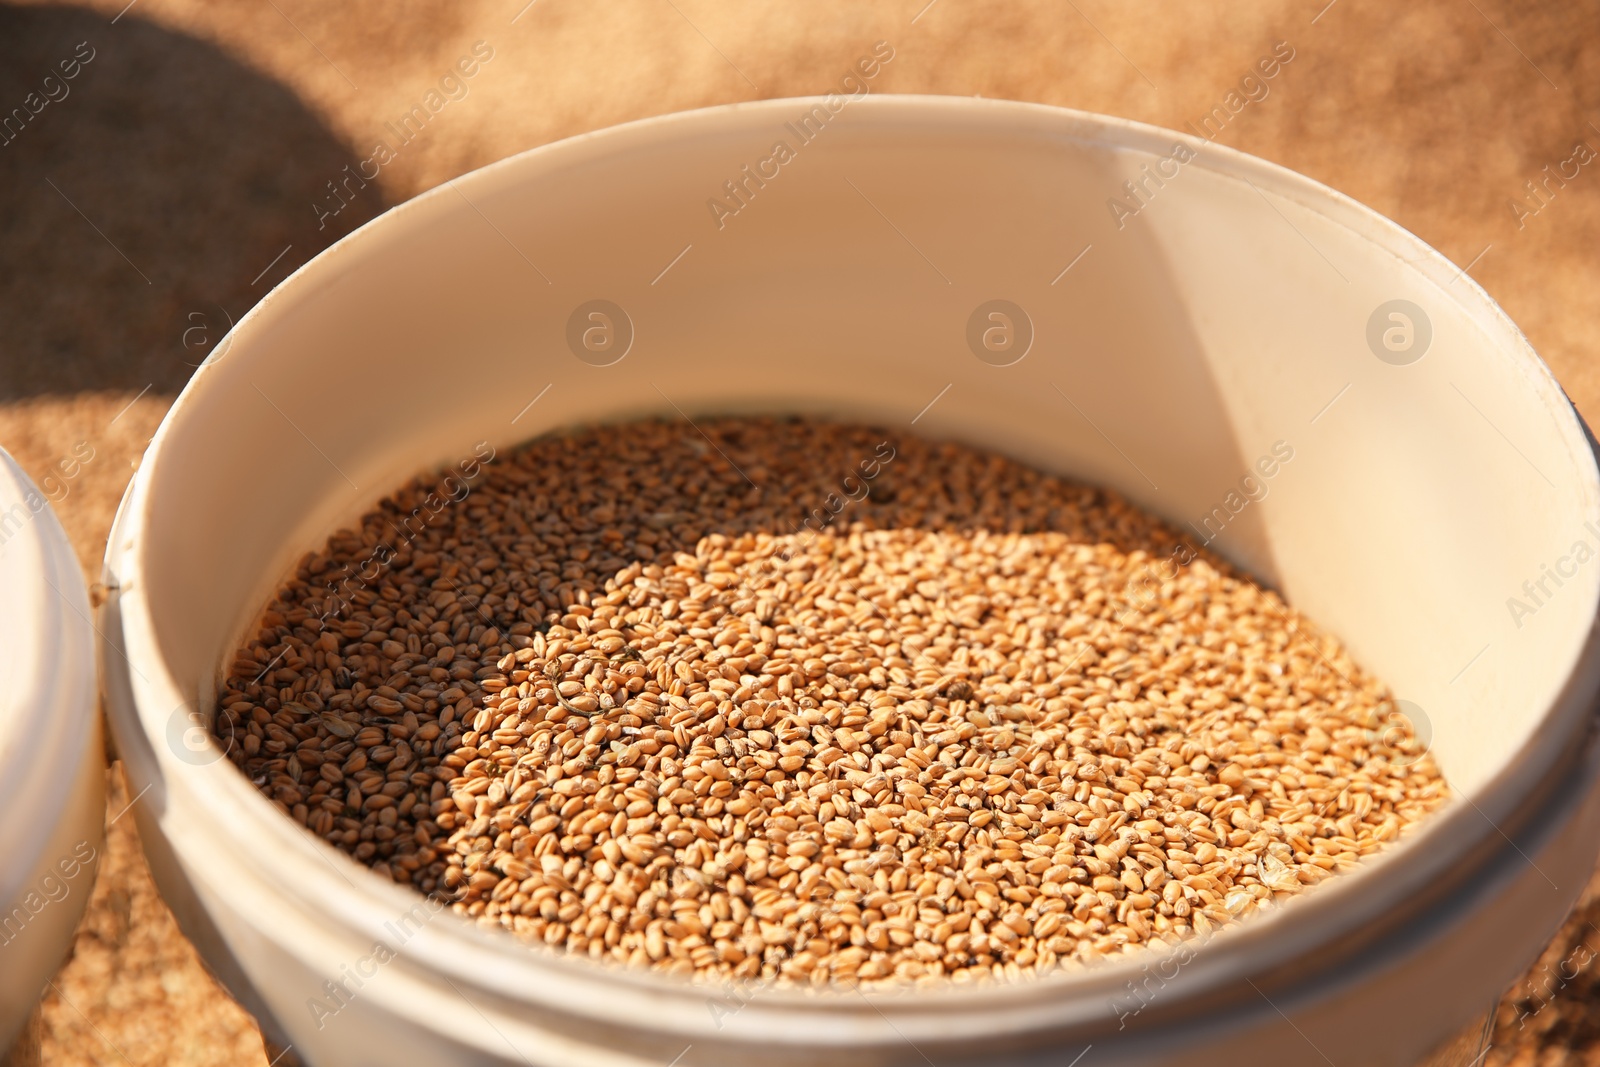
column 52, row 760
column 1227, row 306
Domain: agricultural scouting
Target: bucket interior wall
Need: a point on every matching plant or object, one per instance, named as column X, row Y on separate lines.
column 1226, row 320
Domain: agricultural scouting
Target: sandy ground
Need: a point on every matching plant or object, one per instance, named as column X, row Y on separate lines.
column 174, row 183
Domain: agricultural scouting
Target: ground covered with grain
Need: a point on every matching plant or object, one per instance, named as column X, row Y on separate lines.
column 1435, row 116
column 789, row 700
column 1448, row 111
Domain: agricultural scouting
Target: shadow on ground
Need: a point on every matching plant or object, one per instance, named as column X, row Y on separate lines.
column 157, row 176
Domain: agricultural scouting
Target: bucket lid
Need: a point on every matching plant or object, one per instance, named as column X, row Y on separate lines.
column 49, row 730
column 47, row 665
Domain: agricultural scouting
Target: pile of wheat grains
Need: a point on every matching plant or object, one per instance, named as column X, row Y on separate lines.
column 782, row 699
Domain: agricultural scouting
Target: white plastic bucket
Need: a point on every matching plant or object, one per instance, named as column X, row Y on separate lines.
column 52, row 760
column 1228, row 306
